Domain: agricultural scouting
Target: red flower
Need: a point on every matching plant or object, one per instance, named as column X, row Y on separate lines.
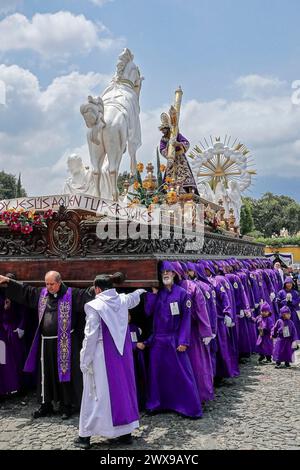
column 26, row 228
column 5, row 216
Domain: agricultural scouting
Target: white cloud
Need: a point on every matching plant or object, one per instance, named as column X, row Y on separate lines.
column 39, row 128
column 55, row 35
column 256, row 86
column 9, row 5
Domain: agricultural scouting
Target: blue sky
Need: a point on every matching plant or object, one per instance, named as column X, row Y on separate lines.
column 235, row 60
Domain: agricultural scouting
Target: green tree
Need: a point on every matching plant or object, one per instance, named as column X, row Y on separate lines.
column 9, row 187
column 20, row 192
column 271, row 213
column 246, row 221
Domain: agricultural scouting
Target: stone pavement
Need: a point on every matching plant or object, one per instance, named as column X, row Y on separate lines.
column 258, row 410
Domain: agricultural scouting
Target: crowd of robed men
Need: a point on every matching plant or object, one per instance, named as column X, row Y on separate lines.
column 178, row 342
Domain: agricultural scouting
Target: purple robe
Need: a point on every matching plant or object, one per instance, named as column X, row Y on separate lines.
column 256, row 291
column 226, row 359
column 242, row 306
column 180, row 168
column 271, row 289
column 211, row 306
column 11, row 376
column 293, row 304
column 244, row 275
column 283, row 351
column 171, row 380
column 264, row 343
column 199, row 353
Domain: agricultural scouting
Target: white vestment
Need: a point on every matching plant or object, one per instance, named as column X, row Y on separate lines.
column 95, row 413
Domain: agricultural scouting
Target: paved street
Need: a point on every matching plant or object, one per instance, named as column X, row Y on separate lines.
column 258, row 410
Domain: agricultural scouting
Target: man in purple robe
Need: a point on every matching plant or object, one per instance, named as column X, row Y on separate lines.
column 227, row 355
column 179, row 168
column 201, row 333
column 243, row 312
column 286, row 338
column 244, row 275
column 171, row 381
column 56, row 345
column 264, row 343
column 288, row 296
column 12, row 321
column 211, row 305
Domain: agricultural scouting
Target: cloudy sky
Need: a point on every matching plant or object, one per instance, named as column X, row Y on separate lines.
column 236, row 61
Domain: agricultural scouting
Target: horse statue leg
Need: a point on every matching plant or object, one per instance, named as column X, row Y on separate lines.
column 114, row 139
column 133, row 162
column 97, row 156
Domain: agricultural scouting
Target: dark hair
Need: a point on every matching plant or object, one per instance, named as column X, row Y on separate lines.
column 106, row 281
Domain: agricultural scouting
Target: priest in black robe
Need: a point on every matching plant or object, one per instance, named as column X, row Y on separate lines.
column 56, row 346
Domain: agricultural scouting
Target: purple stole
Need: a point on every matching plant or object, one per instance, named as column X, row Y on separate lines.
column 64, row 318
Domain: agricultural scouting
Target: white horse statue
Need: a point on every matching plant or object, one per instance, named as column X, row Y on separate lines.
column 113, row 122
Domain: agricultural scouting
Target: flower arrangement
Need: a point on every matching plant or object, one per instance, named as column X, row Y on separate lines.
column 152, row 190
column 24, row 221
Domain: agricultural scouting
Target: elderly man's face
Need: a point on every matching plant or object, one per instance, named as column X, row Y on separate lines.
column 168, row 277
column 52, row 285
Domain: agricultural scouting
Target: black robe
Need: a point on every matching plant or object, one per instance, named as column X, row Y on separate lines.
column 67, row 393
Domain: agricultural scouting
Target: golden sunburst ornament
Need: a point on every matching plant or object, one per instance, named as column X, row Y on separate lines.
column 221, row 161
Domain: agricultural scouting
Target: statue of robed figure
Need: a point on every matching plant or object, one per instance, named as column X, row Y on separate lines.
column 173, row 146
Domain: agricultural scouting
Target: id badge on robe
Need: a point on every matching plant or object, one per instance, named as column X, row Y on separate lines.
column 174, row 308
column 2, row 353
column 286, row 332
column 134, row 337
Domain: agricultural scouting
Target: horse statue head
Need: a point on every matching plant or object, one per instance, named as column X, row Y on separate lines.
column 127, row 71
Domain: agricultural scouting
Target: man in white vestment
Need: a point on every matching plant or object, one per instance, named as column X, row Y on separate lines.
column 109, row 405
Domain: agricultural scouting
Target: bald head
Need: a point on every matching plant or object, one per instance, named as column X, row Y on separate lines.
column 53, row 281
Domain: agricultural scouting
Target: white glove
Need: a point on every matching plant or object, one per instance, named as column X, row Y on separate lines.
column 272, row 296
column 289, row 297
column 141, row 291
column 20, row 332
column 294, row 345
column 207, row 340
column 227, row 321
column 242, row 314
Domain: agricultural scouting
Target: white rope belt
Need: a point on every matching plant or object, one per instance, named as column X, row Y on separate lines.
column 42, row 365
